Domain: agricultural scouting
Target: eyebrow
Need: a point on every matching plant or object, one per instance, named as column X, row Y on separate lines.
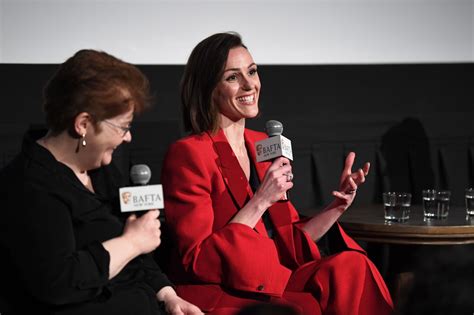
column 127, row 121
column 237, row 69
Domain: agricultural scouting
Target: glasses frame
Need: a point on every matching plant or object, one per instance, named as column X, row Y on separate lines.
column 124, row 129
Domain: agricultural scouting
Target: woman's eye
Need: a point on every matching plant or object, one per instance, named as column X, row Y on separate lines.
column 232, row 77
column 253, row 72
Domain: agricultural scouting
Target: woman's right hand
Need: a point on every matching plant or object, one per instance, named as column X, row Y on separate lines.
column 277, row 180
column 143, row 232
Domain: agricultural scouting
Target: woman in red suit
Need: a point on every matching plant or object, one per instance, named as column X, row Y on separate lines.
column 235, row 244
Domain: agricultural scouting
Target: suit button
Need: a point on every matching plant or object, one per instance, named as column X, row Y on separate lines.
column 260, row 287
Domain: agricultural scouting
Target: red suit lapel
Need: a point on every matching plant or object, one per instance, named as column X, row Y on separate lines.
column 283, row 216
column 232, row 173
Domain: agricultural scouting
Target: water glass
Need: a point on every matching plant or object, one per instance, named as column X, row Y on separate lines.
column 429, row 203
column 397, row 206
column 469, row 201
column 436, row 203
column 443, row 198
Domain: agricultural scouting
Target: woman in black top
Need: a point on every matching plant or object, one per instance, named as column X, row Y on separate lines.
column 64, row 250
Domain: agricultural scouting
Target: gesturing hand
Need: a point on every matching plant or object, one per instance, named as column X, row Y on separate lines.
column 350, row 181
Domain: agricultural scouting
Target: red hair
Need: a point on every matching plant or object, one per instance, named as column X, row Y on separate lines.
column 93, row 82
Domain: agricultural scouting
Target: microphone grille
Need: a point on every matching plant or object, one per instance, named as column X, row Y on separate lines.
column 273, row 128
column 140, row 174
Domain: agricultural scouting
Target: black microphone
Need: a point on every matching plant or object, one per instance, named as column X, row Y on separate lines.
column 143, row 196
column 275, row 146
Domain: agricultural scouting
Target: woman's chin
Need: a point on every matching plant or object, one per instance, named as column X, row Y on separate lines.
column 106, row 159
column 249, row 112
column 252, row 114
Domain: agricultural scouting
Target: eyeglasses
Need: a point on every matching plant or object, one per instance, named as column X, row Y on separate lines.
column 124, row 129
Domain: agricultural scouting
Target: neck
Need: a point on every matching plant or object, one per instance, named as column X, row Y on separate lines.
column 234, row 132
column 63, row 148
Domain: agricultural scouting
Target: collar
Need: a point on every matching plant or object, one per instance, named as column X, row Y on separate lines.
column 37, row 153
column 236, row 181
column 232, row 173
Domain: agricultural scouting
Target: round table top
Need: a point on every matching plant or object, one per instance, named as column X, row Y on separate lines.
column 367, row 223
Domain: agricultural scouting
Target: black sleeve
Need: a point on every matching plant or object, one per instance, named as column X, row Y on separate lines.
column 108, row 180
column 154, row 276
column 42, row 246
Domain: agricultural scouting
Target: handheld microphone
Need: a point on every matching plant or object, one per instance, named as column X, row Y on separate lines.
column 140, row 174
column 274, row 146
column 143, row 196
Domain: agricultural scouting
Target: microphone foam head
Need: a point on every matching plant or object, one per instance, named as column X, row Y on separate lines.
column 273, row 128
column 140, row 174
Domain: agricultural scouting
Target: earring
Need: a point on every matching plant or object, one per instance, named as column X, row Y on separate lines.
column 83, row 142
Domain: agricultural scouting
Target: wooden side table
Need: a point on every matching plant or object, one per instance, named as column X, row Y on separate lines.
column 367, row 223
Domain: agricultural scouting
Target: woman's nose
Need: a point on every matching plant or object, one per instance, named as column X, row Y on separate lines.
column 247, row 84
column 128, row 136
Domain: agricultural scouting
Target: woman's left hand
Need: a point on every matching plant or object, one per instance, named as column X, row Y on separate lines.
column 175, row 305
column 350, row 181
column 178, row 306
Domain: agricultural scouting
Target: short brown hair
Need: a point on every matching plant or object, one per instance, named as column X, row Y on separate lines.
column 201, row 75
column 93, row 82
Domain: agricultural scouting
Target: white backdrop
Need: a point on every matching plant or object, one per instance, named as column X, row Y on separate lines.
column 276, row 32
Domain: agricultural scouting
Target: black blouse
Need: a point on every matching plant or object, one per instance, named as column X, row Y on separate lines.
column 51, row 230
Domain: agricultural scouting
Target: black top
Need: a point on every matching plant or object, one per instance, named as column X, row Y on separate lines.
column 51, row 230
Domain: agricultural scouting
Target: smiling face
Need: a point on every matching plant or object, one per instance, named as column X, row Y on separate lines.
column 236, row 94
column 104, row 138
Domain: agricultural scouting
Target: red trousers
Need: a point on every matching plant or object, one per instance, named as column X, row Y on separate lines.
column 346, row 283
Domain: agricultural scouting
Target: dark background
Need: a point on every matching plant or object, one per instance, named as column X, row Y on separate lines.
column 414, row 122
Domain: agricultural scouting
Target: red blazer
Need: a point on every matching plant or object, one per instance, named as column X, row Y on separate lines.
column 204, row 188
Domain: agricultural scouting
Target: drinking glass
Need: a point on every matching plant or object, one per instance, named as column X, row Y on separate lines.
column 469, row 201
column 397, row 206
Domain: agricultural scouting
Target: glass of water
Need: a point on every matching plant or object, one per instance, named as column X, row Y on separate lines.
column 436, row 203
column 397, row 206
column 442, row 203
column 429, row 203
column 469, row 201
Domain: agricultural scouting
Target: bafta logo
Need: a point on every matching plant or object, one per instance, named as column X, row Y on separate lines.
column 126, row 196
column 259, row 149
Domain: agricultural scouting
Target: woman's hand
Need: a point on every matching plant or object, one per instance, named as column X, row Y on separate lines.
column 140, row 236
column 175, row 305
column 143, row 232
column 321, row 222
column 277, row 180
column 349, row 182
